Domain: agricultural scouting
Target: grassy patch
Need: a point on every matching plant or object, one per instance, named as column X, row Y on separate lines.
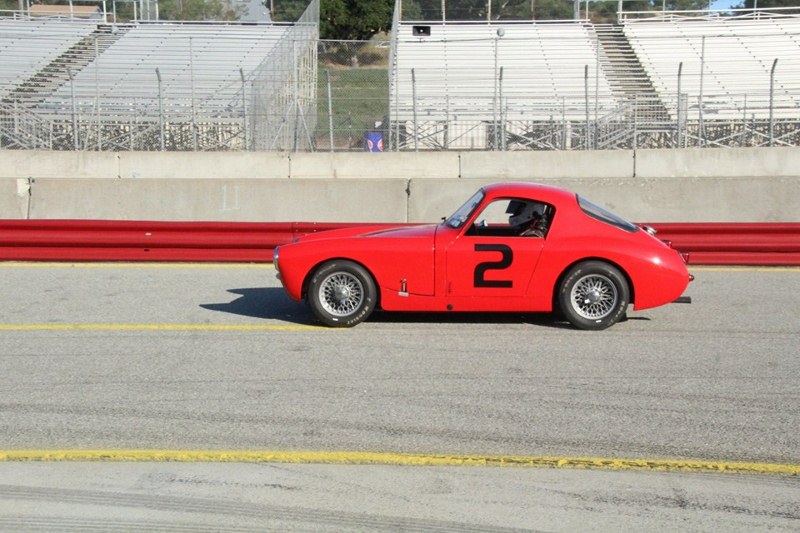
column 359, row 97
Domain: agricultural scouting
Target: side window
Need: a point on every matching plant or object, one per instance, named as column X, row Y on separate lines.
column 495, row 214
column 513, row 217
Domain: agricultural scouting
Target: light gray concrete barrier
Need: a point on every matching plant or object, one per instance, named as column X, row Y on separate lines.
column 759, row 199
column 714, row 185
column 234, row 200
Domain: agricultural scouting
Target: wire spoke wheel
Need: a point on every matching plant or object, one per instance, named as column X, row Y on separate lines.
column 341, row 294
column 594, row 296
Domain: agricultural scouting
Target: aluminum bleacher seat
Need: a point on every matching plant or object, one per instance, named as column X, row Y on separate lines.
column 199, row 65
column 26, row 46
column 456, row 65
column 735, row 56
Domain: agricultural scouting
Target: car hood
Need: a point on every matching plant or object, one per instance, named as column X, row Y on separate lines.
column 373, row 231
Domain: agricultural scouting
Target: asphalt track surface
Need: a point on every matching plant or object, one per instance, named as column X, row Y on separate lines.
column 204, row 362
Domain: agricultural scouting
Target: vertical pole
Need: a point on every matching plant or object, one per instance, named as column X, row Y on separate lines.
column 330, row 110
column 680, row 106
column 447, row 118
column 502, row 114
column 494, row 96
column 396, row 81
column 191, row 85
column 635, row 121
column 414, row 106
column 244, row 109
column 772, row 102
column 97, row 90
column 586, row 102
column 75, row 133
column 702, row 131
column 160, row 111
column 596, row 93
column 745, row 133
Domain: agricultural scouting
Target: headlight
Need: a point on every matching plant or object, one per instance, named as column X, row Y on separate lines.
column 275, row 259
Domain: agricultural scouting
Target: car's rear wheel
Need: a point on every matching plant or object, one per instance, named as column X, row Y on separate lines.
column 341, row 294
column 594, row 295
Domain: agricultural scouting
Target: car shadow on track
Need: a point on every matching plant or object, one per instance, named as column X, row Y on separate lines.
column 274, row 304
column 265, row 303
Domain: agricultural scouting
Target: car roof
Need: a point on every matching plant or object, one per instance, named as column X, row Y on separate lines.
column 538, row 191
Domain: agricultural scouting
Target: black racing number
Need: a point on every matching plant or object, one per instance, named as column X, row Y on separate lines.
column 481, row 268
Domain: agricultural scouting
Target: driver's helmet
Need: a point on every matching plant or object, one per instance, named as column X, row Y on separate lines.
column 521, row 213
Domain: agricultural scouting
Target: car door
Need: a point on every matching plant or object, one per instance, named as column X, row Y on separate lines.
column 490, row 259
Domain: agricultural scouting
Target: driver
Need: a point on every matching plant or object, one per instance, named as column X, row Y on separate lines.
column 525, row 219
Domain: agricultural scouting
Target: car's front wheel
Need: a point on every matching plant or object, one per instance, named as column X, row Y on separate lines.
column 593, row 295
column 341, row 294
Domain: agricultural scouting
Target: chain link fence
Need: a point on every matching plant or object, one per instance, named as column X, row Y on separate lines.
column 313, row 95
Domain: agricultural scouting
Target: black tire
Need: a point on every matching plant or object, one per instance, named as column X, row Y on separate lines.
column 341, row 294
column 593, row 295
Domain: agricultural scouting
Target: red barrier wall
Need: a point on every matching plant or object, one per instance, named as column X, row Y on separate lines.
column 106, row 240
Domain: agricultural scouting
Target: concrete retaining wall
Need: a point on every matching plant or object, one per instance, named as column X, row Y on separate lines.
column 718, row 185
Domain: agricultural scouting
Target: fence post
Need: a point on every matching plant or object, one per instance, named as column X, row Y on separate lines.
column 330, row 110
column 414, row 107
column 595, row 129
column 244, row 109
column 97, row 92
column 678, row 114
column 502, row 115
column 701, row 124
column 75, row 133
column 494, row 96
column 586, row 103
column 772, row 102
column 191, row 85
column 160, row 111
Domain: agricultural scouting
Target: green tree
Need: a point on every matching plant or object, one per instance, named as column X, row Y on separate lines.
column 354, row 19
column 286, row 10
column 10, row 5
column 342, row 20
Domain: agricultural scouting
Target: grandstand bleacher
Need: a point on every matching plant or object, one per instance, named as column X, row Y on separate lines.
column 452, row 85
column 457, row 69
column 27, row 46
column 197, row 63
column 148, row 86
column 736, row 56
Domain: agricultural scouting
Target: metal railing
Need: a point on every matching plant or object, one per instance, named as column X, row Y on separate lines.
column 312, row 95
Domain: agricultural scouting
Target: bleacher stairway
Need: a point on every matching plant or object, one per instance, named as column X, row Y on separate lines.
column 626, row 75
column 44, row 83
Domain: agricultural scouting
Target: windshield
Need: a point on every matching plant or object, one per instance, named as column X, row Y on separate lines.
column 604, row 215
column 458, row 218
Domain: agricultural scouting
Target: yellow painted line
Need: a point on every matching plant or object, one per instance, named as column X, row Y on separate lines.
column 394, row 459
column 27, row 264
column 158, row 327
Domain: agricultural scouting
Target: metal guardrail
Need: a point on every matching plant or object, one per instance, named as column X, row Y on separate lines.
column 108, row 240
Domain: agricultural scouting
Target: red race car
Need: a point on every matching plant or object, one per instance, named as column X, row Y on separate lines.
column 513, row 247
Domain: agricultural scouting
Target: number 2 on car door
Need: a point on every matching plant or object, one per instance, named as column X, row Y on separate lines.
column 507, row 258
